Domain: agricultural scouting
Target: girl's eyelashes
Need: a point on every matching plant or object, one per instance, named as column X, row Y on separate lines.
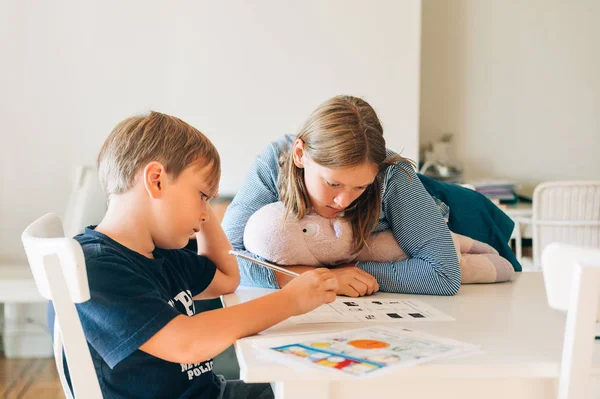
column 335, row 185
column 204, row 197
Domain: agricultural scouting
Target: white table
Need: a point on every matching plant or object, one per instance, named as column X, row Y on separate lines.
column 520, row 334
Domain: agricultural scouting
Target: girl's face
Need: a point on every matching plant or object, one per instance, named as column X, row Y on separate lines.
column 332, row 190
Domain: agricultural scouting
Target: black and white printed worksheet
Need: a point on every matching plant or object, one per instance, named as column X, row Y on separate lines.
column 365, row 309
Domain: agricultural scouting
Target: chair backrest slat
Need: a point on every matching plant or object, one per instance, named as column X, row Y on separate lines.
column 58, row 267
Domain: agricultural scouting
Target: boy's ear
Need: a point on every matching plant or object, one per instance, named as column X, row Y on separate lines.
column 298, row 153
column 155, row 175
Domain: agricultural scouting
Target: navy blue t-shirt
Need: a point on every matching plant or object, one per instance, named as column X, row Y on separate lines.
column 132, row 298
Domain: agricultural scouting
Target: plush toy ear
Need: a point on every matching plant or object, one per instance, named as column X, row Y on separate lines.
column 381, row 247
column 328, row 240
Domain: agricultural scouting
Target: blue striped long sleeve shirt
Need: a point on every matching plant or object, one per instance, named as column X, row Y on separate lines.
column 407, row 209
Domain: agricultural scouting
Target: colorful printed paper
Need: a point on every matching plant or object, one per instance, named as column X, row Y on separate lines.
column 365, row 351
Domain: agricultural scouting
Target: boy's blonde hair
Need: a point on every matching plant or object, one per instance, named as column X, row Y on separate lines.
column 139, row 140
column 342, row 132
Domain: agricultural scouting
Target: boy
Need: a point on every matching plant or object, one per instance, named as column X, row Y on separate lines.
column 145, row 339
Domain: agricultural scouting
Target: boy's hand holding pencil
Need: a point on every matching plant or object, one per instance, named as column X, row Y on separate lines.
column 311, row 289
column 306, row 291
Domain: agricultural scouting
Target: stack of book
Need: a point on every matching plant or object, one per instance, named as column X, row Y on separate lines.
column 497, row 191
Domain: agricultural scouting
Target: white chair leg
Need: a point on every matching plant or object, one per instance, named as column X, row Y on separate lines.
column 518, row 241
column 58, row 358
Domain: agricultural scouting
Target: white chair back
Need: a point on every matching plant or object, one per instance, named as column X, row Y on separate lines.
column 572, row 280
column 566, row 212
column 58, row 268
column 87, row 201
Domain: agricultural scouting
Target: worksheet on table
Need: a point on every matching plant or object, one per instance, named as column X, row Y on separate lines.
column 354, row 310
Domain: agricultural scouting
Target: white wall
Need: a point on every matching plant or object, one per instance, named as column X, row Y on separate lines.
column 242, row 72
column 518, row 82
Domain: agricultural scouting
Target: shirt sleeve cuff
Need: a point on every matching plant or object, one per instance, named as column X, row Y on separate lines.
column 146, row 332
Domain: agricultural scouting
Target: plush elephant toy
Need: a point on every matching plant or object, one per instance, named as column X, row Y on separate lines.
column 318, row 241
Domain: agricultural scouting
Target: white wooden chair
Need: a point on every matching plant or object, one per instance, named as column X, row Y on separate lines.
column 563, row 211
column 572, row 280
column 58, row 268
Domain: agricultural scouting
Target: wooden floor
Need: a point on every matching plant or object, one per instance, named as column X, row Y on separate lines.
column 29, row 379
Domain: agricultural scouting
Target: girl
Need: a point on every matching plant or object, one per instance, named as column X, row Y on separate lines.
column 338, row 166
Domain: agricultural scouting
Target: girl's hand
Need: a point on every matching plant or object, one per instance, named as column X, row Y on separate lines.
column 354, row 282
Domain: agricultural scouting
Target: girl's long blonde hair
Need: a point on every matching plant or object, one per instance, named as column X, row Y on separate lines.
column 342, row 132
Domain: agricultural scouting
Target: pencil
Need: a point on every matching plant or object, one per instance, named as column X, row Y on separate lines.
column 264, row 264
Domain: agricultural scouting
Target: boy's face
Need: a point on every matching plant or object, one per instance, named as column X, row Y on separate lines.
column 182, row 206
